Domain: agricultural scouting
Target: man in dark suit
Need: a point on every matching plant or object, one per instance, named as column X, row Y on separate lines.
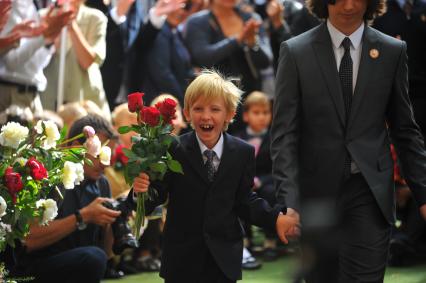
column 341, row 91
column 129, row 39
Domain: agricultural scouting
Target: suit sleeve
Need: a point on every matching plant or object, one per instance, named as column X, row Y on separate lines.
column 285, row 131
column 405, row 133
column 249, row 206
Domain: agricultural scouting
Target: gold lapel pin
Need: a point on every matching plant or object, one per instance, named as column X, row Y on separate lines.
column 374, row 53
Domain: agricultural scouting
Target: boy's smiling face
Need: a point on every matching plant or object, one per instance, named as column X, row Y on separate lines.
column 208, row 118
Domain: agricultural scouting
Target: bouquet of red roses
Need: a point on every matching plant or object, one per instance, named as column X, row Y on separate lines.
column 149, row 152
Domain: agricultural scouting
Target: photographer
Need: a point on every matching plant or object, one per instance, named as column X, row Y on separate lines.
column 74, row 247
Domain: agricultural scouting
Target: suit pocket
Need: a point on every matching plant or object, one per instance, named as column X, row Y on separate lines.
column 385, row 162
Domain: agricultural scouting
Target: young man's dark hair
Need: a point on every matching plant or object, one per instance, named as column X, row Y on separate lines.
column 375, row 8
column 100, row 124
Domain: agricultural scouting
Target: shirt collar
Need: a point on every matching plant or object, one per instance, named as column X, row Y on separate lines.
column 337, row 36
column 218, row 148
column 250, row 132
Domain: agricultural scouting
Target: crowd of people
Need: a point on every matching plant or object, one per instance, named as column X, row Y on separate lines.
column 74, row 62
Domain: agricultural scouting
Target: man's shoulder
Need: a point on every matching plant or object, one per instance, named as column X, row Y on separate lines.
column 301, row 42
column 388, row 41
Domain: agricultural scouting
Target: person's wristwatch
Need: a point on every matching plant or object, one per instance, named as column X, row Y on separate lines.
column 80, row 223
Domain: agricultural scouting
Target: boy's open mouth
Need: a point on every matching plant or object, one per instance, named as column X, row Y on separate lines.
column 206, row 128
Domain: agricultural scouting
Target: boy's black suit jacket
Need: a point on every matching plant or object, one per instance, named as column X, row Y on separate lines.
column 203, row 215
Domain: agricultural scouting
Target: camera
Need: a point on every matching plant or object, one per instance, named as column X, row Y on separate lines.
column 123, row 237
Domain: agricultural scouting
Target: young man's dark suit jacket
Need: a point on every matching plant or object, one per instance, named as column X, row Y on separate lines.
column 309, row 133
column 203, row 215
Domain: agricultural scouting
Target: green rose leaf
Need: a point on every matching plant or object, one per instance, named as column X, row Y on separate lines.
column 159, row 167
column 124, row 129
column 174, row 166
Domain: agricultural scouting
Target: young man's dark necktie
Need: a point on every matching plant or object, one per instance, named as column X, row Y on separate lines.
column 210, row 154
column 346, row 76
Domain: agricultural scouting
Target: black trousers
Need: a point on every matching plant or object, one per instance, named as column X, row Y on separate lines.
column 211, row 273
column 352, row 248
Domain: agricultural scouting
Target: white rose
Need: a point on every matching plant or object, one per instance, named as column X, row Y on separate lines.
column 69, row 174
column 12, row 134
column 50, row 210
column 3, row 206
column 105, row 155
column 51, row 132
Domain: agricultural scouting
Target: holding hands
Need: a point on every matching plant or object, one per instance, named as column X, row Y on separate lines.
column 288, row 225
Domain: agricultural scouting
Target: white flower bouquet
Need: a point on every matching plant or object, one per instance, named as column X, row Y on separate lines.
column 33, row 162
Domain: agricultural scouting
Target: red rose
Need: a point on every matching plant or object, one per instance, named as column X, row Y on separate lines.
column 167, row 108
column 119, row 155
column 134, row 101
column 150, row 115
column 38, row 171
column 13, row 182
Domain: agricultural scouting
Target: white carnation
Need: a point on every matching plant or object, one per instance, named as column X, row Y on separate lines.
column 3, row 206
column 12, row 134
column 51, row 132
column 105, row 155
column 50, row 210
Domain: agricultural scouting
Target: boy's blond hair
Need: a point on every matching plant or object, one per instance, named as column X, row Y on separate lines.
column 256, row 98
column 210, row 85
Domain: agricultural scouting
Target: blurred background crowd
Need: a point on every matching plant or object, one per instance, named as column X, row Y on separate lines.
column 64, row 60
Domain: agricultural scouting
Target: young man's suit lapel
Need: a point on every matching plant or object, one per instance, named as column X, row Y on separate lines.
column 323, row 50
column 366, row 70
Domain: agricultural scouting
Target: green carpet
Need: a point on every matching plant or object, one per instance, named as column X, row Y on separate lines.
column 281, row 271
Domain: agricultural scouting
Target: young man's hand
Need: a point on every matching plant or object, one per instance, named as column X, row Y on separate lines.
column 286, row 227
column 141, row 183
column 97, row 213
